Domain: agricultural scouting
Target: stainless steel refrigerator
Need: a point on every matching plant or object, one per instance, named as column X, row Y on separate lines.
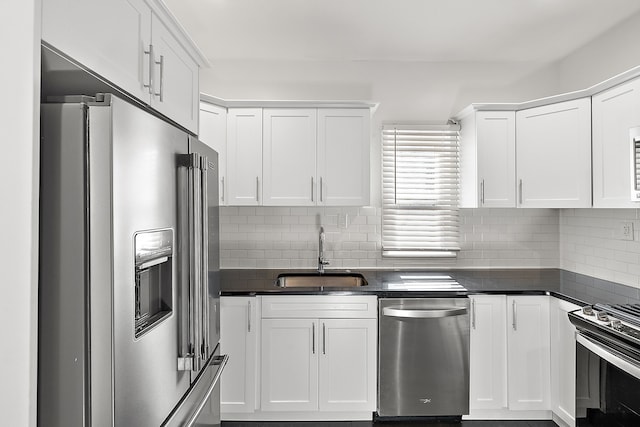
column 129, row 269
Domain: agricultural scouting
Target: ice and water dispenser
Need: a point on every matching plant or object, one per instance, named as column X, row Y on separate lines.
column 153, row 278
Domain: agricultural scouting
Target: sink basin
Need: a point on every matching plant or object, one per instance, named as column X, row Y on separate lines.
column 315, row 280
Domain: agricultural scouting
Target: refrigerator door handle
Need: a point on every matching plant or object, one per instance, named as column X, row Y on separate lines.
column 189, row 409
column 221, row 361
column 204, row 267
column 196, row 283
column 193, row 359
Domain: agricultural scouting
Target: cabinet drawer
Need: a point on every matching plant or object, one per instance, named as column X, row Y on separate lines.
column 320, row 306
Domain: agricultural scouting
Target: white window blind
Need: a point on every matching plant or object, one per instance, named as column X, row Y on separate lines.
column 420, row 190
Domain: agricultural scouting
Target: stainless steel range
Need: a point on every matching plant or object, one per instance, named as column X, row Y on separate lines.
column 607, row 365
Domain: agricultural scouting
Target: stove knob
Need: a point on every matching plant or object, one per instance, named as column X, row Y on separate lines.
column 588, row 310
column 602, row 316
column 616, row 324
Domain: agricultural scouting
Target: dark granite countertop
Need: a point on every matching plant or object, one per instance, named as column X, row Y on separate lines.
column 573, row 287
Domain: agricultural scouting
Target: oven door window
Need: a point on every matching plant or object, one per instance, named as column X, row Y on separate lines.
column 607, row 387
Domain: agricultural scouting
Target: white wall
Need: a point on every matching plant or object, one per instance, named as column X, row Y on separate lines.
column 612, row 53
column 20, row 118
column 410, row 91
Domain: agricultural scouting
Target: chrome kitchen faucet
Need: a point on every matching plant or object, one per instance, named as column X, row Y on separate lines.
column 321, row 259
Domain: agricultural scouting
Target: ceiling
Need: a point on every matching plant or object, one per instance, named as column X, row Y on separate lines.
column 396, row 30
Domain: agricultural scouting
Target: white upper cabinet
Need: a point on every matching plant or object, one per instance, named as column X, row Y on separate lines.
column 244, row 157
column 289, row 158
column 143, row 51
column 175, row 78
column 488, row 159
column 316, row 156
column 553, row 159
column 343, row 157
column 614, row 112
column 213, row 132
column 117, row 55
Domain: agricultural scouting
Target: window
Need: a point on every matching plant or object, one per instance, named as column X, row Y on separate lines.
column 420, row 191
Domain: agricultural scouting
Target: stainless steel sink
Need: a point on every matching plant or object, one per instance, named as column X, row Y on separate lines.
column 315, row 280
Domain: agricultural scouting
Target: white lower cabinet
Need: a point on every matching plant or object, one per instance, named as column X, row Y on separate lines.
column 563, row 363
column 488, row 381
column 289, row 380
column 319, row 355
column 318, row 364
column 347, row 366
column 305, row 358
column 510, row 357
column 528, row 353
column 239, row 334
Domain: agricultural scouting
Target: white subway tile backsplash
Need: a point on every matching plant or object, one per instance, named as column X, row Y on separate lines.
column 276, row 237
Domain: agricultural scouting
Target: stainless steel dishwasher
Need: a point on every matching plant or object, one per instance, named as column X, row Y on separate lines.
column 423, row 359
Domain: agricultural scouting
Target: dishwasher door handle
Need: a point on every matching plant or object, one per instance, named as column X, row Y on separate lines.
column 423, row 313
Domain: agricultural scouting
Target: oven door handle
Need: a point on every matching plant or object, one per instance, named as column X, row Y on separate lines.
column 612, row 356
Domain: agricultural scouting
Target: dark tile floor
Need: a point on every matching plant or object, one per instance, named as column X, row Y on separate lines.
column 492, row 423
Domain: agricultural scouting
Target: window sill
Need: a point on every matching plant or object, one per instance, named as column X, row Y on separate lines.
column 419, row 254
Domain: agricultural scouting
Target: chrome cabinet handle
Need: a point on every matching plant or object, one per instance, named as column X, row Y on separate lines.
column 150, row 53
column 482, row 192
column 161, row 64
column 473, row 312
column 514, row 322
column 321, row 191
column 423, row 313
column 222, row 182
column 313, row 338
column 324, row 340
column 312, row 189
column 249, row 317
column 520, row 190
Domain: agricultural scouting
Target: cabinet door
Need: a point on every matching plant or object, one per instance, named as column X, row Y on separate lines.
column 213, row 132
column 488, row 349
column 563, row 362
column 290, row 157
column 529, row 356
column 238, row 339
column 289, row 365
column 496, row 151
column 244, row 156
column 343, row 157
column 77, row 28
column 614, row 112
column 175, row 78
column 347, row 364
column 554, row 155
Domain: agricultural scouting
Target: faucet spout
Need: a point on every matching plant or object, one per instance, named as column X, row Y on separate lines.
column 322, row 261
